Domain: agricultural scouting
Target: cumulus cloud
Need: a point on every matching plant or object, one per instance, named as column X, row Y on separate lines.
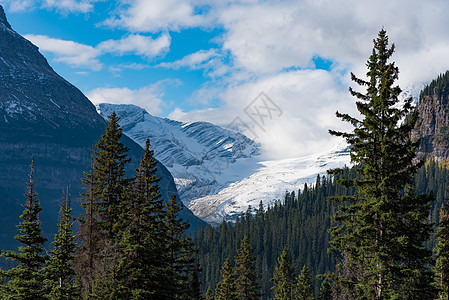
column 272, row 45
column 138, row 44
column 71, row 6
column 155, row 15
column 19, row 5
column 63, row 6
column 148, row 97
column 80, row 55
column 293, row 121
column 72, row 53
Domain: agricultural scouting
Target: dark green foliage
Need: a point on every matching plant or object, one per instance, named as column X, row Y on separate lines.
column 105, row 216
column 180, row 251
column 382, row 230
column 304, row 288
column 226, row 288
column 109, row 176
column 437, row 86
column 87, row 252
column 141, row 266
column 59, row 273
column 247, row 283
column 300, row 224
column 284, row 278
column 25, row 279
column 325, row 290
column 442, row 252
column 209, row 294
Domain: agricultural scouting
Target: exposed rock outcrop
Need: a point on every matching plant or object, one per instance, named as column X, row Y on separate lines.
column 433, row 124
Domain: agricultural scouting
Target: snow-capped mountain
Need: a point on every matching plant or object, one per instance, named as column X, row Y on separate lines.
column 219, row 172
column 202, row 157
column 268, row 184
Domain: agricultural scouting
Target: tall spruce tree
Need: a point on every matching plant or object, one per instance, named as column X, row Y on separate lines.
column 304, row 288
column 142, row 266
column 325, row 290
column 284, row 278
column 442, row 252
column 87, row 251
column 180, row 251
column 248, row 286
column 226, row 288
column 384, row 227
column 109, row 174
column 60, row 273
column 107, row 202
column 25, row 279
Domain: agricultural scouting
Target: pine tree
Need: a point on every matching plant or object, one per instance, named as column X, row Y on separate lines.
column 141, row 269
column 209, row 294
column 325, row 290
column 284, row 278
column 226, row 288
column 247, row 283
column 106, row 199
column 109, row 175
column 60, row 272
column 87, row 259
column 304, row 288
column 383, row 228
column 180, row 250
column 442, row 252
column 25, row 280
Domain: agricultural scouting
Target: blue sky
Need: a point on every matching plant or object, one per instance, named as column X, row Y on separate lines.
column 195, row 60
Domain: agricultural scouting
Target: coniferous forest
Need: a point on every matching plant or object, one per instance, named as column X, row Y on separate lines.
column 378, row 230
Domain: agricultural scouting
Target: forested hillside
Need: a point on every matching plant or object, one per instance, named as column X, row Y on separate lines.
column 301, row 223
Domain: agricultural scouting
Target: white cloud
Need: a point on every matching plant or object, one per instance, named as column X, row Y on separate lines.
column 18, row 5
column 155, row 15
column 148, row 97
column 71, row 6
column 80, row 55
column 303, row 109
column 193, row 61
column 63, row 6
column 138, row 44
column 69, row 52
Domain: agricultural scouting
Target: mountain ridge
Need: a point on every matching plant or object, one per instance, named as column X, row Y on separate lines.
column 43, row 115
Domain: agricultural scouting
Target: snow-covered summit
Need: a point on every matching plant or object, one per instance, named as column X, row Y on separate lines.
column 200, row 155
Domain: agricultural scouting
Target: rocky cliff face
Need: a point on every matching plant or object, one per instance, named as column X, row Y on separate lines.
column 41, row 114
column 433, row 124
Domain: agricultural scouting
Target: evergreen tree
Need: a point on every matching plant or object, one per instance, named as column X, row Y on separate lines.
column 89, row 237
column 304, row 288
column 284, row 278
column 109, row 176
column 180, row 250
column 383, row 228
column 106, row 202
column 141, row 268
column 325, row 290
column 226, row 288
column 442, row 252
column 25, row 279
column 209, row 294
column 247, row 282
column 195, row 284
column 60, row 272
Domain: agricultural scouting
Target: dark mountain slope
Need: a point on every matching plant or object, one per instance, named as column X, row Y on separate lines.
column 42, row 114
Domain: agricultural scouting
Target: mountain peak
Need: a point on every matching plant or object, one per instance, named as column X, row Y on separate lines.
column 3, row 19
